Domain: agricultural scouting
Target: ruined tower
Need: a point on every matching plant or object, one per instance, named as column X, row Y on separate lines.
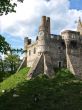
column 27, row 41
column 43, row 45
column 51, row 51
column 43, row 35
column 79, row 26
column 73, row 51
column 43, row 60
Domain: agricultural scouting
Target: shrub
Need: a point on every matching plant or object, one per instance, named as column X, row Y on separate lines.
column 64, row 73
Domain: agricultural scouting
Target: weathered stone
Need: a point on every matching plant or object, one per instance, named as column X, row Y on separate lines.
column 54, row 51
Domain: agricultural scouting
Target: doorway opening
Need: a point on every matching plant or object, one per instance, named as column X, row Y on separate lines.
column 59, row 64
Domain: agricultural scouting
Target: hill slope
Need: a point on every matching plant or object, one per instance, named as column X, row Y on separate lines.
column 14, row 80
column 64, row 92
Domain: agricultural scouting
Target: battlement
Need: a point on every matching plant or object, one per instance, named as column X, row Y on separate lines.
column 70, row 35
column 70, row 32
column 27, row 41
column 54, row 51
column 45, row 24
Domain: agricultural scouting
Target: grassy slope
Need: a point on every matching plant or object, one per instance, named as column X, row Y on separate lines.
column 14, row 80
column 61, row 93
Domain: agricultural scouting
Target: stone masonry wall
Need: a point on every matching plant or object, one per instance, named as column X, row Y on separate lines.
column 57, row 53
column 31, row 54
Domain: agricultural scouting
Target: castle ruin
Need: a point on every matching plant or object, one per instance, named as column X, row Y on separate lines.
column 51, row 51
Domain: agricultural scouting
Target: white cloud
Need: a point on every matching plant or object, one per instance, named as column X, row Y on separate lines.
column 27, row 18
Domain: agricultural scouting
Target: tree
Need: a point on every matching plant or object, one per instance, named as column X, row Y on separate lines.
column 4, row 45
column 17, row 51
column 12, row 62
column 7, row 6
column 1, row 66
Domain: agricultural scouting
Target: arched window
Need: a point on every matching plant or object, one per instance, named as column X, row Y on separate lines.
column 59, row 64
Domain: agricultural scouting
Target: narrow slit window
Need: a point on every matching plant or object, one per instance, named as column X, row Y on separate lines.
column 59, row 64
column 29, row 52
column 34, row 50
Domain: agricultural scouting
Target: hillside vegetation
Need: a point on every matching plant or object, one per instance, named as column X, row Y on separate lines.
column 64, row 92
column 14, row 80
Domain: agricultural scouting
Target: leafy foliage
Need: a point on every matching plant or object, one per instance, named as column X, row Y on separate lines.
column 41, row 93
column 4, row 75
column 4, row 46
column 64, row 73
column 13, row 62
column 7, row 6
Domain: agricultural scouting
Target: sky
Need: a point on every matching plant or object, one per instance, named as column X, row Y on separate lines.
column 25, row 22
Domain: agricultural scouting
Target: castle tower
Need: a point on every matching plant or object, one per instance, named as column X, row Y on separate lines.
column 73, row 51
column 24, row 62
column 79, row 26
column 43, row 63
column 27, row 42
column 25, row 45
column 43, row 35
column 45, row 25
column 48, row 25
column 42, row 26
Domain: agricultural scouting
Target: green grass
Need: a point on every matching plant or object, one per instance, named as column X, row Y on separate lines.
column 4, row 75
column 14, row 80
column 64, row 92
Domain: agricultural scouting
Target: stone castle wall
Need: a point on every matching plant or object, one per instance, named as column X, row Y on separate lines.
column 57, row 52
column 54, row 51
column 31, row 53
column 73, row 51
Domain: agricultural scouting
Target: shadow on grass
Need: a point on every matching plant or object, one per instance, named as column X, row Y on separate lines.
column 44, row 94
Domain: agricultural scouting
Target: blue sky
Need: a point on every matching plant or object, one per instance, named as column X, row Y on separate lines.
column 76, row 4
column 26, row 20
column 15, row 42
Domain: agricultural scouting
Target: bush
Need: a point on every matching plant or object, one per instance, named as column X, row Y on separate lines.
column 64, row 73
